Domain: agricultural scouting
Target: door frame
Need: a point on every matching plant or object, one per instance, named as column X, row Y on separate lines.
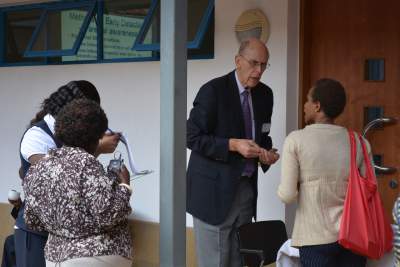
column 304, row 60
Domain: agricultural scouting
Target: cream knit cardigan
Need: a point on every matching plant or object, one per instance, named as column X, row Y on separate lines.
column 315, row 169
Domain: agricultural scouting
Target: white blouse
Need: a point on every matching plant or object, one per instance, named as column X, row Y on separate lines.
column 37, row 141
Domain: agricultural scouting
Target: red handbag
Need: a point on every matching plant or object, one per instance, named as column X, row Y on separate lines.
column 364, row 228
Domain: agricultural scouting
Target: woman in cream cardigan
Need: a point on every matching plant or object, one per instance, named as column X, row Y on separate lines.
column 315, row 169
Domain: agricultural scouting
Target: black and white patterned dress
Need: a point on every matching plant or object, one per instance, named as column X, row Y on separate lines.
column 85, row 211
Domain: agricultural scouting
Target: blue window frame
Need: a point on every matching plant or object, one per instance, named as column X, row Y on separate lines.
column 151, row 18
column 33, row 49
column 17, row 25
column 41, row 30
column 35, row 34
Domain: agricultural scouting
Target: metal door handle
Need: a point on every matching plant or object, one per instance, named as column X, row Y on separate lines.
column 378, row 121
column 370, row 125
column 384, row 170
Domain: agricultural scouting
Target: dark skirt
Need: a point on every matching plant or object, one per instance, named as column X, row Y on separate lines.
column 29, row 249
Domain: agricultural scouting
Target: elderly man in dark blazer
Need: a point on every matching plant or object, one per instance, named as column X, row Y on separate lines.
column 228, row 133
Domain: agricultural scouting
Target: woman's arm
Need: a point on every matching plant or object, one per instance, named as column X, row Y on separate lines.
column 108, row 143
column 35, row 158
column 288, row 188
column 35, row 144
column 106, row 200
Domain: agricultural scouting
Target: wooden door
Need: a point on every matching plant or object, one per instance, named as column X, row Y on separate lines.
column 337, row 37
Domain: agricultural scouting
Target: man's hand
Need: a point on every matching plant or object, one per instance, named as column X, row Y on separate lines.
column 108, row 143
column 268, row 157
column 124, row 176
column 247, row 148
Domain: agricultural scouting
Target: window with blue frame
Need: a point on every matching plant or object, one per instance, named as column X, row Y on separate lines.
column 121, row 23
column 17, row 30
column 72, row 22
column 96, row 31
column 60, row 30
column 200, row 29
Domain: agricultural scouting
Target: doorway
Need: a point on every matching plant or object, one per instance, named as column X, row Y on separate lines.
column 358, row 43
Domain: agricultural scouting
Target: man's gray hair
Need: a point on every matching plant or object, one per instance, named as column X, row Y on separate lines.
column 243, row 46
column 247, row 43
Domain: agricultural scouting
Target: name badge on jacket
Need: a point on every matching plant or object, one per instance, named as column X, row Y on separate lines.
column 265, row 127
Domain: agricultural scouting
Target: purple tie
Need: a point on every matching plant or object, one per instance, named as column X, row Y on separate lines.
column 249, row 167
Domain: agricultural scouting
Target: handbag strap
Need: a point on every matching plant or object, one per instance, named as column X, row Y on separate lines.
column 353, row 152
column 367, row 160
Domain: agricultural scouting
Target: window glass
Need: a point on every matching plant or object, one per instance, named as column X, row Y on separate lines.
column 152, row 35
column 70, row 22
column 51, row 33
column 60, row 29
column 121, row 23
column 375, row 69
column 206, row 49
column 20, row 26
column 196, row 13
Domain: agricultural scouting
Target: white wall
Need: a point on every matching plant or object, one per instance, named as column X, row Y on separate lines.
column 130, row 97
column 292, row 92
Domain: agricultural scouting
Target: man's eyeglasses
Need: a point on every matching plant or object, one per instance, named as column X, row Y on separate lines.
column 254, row 63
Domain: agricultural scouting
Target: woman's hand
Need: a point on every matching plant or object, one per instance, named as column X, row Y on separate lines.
column 108, row 143
column 124, row 176
column 268, row 157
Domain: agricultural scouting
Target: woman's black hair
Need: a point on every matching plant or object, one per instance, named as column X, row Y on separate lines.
column 65, row 94
column 81, row 123
column 331, row 96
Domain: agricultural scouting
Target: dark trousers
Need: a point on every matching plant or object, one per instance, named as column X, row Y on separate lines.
column 29, row 249
column 329, row 255
column 8, row 252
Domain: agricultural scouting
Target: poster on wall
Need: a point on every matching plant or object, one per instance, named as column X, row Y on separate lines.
column 119, row 35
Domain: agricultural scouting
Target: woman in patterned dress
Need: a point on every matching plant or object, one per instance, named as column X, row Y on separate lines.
column 35, row 143
column 68, row 194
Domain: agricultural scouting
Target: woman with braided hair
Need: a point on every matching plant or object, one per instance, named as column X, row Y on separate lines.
column 36, row 142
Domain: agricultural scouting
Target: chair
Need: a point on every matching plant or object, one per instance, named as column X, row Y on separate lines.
column 259, row 242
